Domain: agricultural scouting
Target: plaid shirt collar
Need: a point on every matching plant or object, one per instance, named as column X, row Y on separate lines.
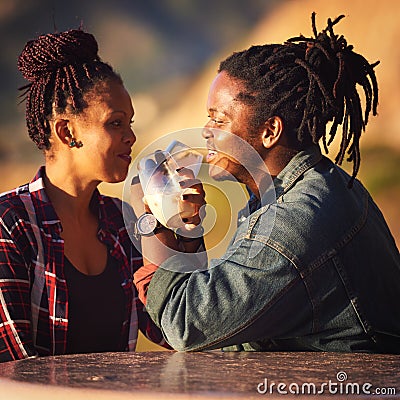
column 46, row 214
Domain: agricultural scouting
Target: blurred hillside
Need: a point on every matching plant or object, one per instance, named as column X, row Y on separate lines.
column 372, row 28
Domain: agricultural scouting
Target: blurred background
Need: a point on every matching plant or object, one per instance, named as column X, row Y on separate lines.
column 168, row 52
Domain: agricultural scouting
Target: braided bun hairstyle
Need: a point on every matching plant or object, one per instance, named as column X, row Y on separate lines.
column 309, row 82
column 61, row 68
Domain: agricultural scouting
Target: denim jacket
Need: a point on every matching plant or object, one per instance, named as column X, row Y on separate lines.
column 317, row 270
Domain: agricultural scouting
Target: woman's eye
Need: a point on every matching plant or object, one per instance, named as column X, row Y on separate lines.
column 118, row 123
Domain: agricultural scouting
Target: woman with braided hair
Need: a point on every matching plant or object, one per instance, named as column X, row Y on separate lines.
column 66, row 260
column 316, row 267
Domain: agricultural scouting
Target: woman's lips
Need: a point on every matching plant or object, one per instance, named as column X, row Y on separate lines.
column 211, row 155
column 125, row 157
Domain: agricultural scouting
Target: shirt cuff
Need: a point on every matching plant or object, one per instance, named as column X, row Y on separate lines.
column 142, row 278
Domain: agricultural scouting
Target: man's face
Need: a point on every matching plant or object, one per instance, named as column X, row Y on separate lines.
column 228, row 130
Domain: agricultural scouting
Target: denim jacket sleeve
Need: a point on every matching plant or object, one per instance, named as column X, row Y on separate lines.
column 242, row 297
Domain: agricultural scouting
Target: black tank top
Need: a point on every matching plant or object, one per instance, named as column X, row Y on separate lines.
column 96, row 309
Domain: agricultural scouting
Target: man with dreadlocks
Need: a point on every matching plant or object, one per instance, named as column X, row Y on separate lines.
column 66, row 260
column 315, row 270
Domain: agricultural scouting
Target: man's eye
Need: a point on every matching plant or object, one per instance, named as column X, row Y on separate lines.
column 117, row 122
column 216, row 120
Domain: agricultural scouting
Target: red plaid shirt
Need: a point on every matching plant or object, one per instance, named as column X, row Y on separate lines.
column 33, row 290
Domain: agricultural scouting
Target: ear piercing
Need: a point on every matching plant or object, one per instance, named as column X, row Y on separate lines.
column 74, row 143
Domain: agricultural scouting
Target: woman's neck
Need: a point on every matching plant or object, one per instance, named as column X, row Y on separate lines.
column 69, row 194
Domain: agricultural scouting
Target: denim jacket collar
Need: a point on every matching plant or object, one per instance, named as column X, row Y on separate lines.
column 297, row 166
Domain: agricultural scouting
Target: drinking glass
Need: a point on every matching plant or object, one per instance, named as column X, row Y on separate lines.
column 162, row 190
column 185, row 157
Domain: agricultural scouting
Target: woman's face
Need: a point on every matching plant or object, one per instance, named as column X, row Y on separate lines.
column 228, row 130
column 104, row 128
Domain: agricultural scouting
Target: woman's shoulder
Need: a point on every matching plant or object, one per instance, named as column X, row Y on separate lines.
column 10, row 202
column 116, row 210
column 111, row 204
column 13, row 213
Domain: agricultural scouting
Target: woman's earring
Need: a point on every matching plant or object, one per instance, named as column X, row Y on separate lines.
column 74, row 143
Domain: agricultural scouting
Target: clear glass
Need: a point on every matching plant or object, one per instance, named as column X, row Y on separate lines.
column 161, row 182
column 185, row 157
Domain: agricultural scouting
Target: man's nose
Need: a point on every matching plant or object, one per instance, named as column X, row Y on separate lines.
column 207, row 132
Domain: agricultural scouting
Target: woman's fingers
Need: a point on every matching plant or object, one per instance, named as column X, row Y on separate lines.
column 193, row 198
column 186, row 173
column 136, row 197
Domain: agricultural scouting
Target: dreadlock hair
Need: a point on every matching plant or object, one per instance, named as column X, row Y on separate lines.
column 309, row 82
column 61, row 68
